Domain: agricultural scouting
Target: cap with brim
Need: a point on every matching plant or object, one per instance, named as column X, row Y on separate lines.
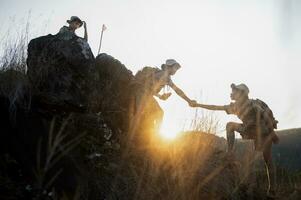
column 172, row 62
column 240, row 87
column 75, row 18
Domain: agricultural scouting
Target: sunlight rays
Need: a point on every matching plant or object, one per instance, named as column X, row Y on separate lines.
column 169, row 130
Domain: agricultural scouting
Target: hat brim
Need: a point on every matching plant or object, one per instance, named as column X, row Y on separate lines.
column 69, row 22
column 177, row 65
column 235, row 87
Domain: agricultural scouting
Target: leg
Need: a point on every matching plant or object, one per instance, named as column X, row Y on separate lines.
column 159, row 119
column 157, row 114
column 267, row 156
column 231, row 127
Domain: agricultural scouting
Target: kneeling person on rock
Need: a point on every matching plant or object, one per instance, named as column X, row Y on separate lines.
column 258, row 125
column 68, row 32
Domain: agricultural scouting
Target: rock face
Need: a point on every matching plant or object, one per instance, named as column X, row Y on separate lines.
column 113, row 89
column 286, row 153
column 64, row 75
column 60, row 71
column 67, row 96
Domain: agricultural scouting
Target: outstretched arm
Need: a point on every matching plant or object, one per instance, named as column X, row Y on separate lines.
column 210, row 107
column 86, row 32
column 179, row 92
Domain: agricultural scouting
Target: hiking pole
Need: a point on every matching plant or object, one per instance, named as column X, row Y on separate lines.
column 102, row 30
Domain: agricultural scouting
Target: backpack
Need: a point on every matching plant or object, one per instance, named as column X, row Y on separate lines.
column 272, row 122
column 146, row 76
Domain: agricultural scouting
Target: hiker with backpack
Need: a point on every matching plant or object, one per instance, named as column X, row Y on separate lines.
column 258, row 124
column 150, row 81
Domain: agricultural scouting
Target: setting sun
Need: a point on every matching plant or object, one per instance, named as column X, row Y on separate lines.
column 168, row 135
column 168, row 130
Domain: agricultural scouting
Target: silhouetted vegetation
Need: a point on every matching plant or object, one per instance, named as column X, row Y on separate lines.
column 61, row 150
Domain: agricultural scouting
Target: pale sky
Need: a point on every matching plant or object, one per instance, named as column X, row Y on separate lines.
column 217, row 42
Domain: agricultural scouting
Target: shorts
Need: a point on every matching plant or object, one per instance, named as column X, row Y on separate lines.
column 259, row 135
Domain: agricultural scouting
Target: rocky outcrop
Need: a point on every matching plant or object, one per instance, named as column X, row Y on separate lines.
column 114, row 90
column 64, row 114
column 60, row 71
column 64, row 75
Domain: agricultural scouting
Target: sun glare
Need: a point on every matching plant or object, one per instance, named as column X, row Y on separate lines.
column 168, row 135
column 169, row 131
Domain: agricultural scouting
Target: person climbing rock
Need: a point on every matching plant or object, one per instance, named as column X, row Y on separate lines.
column 150, row 81
column 258, row 124
column 68, row 32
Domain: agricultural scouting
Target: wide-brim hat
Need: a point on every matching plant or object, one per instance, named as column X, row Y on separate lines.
column 173, row 63
column 241, row 87
column 75, row 18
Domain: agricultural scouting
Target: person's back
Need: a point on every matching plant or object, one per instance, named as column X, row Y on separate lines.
column 267, row 113
column 152, row 79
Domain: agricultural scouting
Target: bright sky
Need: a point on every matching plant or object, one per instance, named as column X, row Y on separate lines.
column 217, row 42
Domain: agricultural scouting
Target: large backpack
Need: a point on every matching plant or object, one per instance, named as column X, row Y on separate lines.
column 267, row 112
column 146, row 76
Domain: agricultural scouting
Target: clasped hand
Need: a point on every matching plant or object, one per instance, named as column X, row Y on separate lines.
column 193, row 103
column 165, row 96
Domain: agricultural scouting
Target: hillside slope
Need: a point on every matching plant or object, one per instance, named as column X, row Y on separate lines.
column 287, row 153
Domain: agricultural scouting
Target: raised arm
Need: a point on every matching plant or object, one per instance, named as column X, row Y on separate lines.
column 86, row 32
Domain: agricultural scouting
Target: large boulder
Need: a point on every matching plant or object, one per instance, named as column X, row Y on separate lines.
column 64, row 75
column 41, row 108
column 113, row 89
column 60, row 71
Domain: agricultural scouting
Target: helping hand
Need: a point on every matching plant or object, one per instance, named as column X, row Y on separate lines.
column 193, row 103
column 165, row 96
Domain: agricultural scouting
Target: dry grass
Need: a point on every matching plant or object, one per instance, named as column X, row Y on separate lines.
column 13, row 81
column 57, row 147
column 194, row 166
column 15, row 50
column 205, row 122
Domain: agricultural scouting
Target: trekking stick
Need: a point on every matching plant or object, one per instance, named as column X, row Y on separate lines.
column 102, row 30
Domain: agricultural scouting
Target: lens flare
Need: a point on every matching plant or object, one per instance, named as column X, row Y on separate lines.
column 169, row 131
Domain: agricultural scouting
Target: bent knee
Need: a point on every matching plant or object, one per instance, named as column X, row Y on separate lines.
column 231, row 126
